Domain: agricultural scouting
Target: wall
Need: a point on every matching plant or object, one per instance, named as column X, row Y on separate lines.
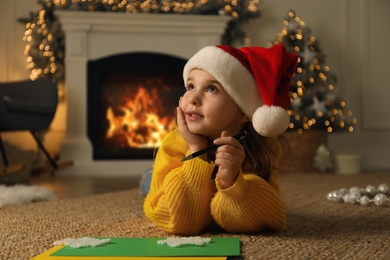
column 12, row 60
column 352, row 34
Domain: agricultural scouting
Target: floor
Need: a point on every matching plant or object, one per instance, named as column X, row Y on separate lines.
column 66, row 187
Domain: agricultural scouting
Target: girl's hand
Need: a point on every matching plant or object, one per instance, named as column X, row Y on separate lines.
column 229, row 158
column 195, row 142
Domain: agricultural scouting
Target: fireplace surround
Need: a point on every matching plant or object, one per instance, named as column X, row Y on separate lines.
column 90, row 36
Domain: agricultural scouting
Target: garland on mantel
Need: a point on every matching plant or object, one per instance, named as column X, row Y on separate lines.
column 44, row 37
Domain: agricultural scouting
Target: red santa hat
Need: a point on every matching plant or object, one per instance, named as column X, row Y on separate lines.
column 257, row 78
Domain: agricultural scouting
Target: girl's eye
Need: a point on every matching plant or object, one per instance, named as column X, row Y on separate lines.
column 212, row 89
column 189, row 87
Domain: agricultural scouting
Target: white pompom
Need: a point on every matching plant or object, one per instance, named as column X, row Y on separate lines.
column 270, row 121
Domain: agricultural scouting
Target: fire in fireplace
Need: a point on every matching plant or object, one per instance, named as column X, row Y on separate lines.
column 131, row 103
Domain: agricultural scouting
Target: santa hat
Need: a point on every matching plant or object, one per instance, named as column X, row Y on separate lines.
column 257, row 78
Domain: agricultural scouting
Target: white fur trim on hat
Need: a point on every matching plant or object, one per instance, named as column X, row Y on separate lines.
column 270, row 120
column 238, row 82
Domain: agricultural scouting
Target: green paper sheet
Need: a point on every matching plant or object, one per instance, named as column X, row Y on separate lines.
column 149, row 247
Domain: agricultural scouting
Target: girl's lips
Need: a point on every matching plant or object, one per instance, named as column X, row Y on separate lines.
column 193, row 116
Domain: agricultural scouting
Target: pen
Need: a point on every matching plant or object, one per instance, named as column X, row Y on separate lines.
column 239, row 137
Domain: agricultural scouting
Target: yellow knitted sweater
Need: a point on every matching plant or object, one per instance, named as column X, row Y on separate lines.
column 185, row 200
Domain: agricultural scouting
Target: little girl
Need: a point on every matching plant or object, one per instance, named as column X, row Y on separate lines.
column 228, row 91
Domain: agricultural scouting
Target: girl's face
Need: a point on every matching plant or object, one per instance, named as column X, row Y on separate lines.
column 208, row 108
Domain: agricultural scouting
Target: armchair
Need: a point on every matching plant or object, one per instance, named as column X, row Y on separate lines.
column 27, row 106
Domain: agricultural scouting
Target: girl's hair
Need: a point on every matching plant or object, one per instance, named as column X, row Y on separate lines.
column 260, row 155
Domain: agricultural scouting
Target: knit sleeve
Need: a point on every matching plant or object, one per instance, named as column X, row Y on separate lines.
column 248, row 206
column 180, row 192
column 251, row 203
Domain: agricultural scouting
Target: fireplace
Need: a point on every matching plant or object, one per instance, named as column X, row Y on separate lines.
column 101, row 36
column 131, row 103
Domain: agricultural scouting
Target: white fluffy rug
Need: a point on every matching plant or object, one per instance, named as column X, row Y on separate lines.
column 22, row 194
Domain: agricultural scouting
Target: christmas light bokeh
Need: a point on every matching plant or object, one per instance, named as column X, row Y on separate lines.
column 45, row 39
column 44, row 46
column 314, row 102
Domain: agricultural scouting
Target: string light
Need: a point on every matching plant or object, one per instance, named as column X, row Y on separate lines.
column 44, row 48
column 230, row 7
column 314, row 105
column 41, row 46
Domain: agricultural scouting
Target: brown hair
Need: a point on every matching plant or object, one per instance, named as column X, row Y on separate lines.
column 260, row 155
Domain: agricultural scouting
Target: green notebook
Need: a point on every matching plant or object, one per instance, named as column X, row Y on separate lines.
column 149, row 247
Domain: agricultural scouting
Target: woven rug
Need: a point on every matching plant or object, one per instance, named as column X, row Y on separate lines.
column 317, row 228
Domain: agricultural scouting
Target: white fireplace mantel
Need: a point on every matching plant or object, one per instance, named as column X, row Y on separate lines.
column 93, row 35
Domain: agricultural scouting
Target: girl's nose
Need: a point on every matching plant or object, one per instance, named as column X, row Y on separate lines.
column 194, row 98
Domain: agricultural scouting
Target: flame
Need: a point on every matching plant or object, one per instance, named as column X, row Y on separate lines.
column 140, row 123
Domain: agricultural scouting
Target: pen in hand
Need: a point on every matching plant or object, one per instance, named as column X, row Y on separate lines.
column 239, row 137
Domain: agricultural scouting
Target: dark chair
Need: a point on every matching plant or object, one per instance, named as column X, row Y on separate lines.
column 27, row 106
